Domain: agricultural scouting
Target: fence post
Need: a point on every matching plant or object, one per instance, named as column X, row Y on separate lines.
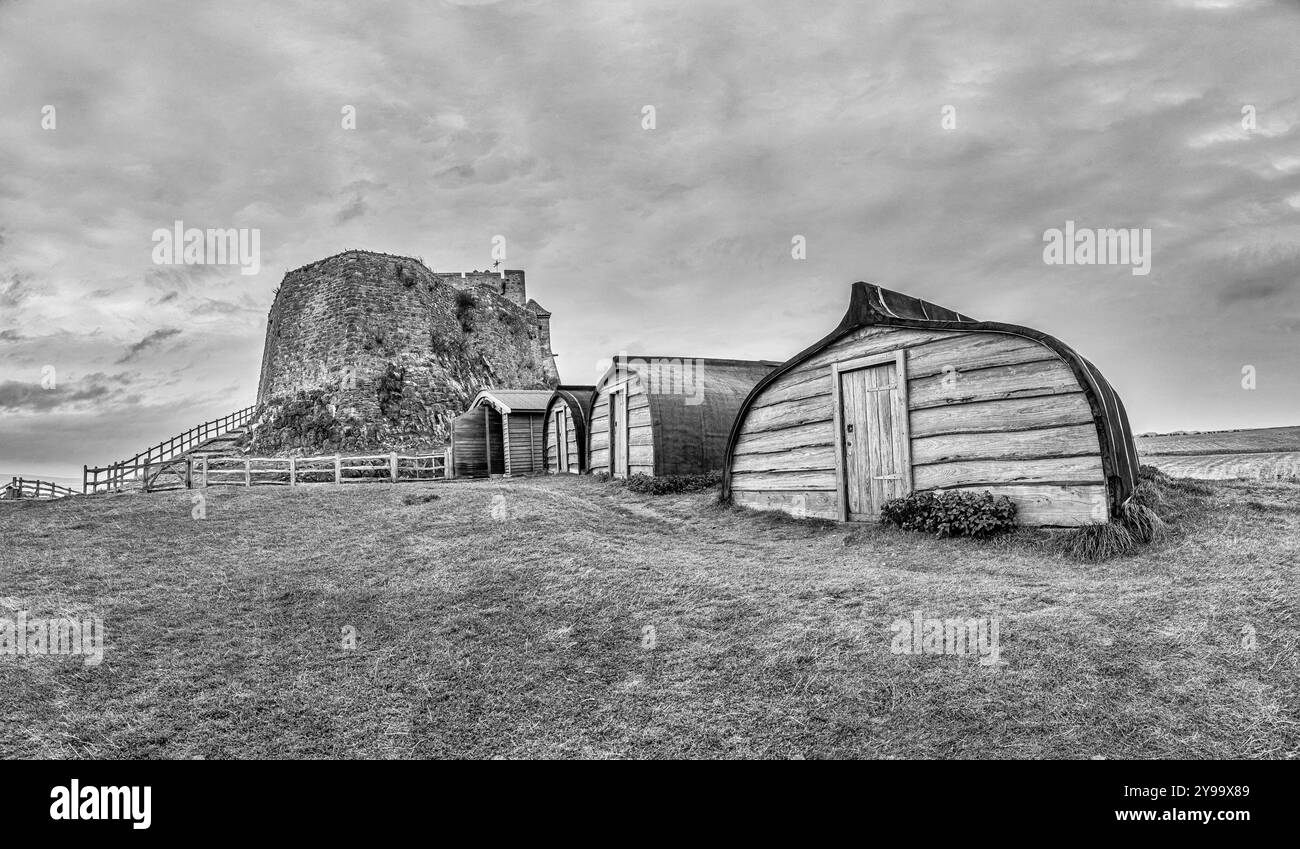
column 446, row 463
column 392, row 466
column 338, row 471
column 293, row 471
column 248, row 472
column 189, row 473
column 204, row 461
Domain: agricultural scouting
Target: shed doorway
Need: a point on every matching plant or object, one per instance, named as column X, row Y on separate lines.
column 874, row 451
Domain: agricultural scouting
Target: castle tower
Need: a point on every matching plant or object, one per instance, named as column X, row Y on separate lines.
column 372, row 349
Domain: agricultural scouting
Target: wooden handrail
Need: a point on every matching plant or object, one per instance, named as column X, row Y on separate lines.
column 116, row 474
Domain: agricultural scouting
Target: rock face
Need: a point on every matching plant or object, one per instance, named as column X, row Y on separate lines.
column 375, row 351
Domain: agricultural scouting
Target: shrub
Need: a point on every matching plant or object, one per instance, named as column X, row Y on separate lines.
column 951, row 514
column 670, row 484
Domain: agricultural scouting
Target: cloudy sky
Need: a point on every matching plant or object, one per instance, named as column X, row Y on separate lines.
column 525, row 119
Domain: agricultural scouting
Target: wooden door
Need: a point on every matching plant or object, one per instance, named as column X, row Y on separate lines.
column 874, row 436
column 618, row 434
column 561, row 440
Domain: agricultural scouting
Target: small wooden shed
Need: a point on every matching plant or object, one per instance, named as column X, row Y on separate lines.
column 500, row 434
column 908, row 396
column 668, row 415
column 568, row 416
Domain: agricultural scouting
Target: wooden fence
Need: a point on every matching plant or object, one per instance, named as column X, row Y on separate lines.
column 29, row 488
column 116, row 475
column 188, row 473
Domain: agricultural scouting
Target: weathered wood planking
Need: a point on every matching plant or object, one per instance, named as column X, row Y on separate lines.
column 495, row 440
column 815, row 505
column 757, row 481
column 865, row 343
column 575, row 461
column 818, row 457
column 929, row 354
column 789, row 414
column 1003, row 415
column 1053, row 505
column 552, row 446
column 971, row 351
column 798, row 436
column 977, row 472
column 1037, row 378
column 987, row 410
column 1070, row 440
column 525, row 434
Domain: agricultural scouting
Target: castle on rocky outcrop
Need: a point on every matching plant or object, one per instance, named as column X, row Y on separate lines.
column 372, row 350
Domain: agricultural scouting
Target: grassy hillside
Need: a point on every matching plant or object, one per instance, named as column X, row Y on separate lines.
column 509, row 619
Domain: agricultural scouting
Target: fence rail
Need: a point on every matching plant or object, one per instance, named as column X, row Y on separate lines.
column 337, row 469
column 192, row 472
column 32, row 488
column 115, row 476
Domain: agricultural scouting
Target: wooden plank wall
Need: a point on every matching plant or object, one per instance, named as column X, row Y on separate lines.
column 525, row 443
column 469, row 457
column 987, row 411
column 549, row 437
column 548, row 424
column 640, row 445
column 576, row 461
column 495, row 443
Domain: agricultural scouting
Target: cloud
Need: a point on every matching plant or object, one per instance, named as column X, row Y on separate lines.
column 147, row 342
column 355, row 209
column 829, row 129
column 14, row 292
column 24, row 397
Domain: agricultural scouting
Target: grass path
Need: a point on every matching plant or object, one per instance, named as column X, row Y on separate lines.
column 527, row 635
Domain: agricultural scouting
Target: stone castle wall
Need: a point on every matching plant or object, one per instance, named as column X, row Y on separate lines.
column 386, row 351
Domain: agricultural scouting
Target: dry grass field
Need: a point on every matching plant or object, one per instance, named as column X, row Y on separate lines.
column 512, row 619
column 1264, row 465
column 1261, row 454
column 1264, row 439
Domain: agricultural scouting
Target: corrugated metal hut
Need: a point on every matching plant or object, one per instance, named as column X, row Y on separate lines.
column 567, row 417
column 500, row 434
column 668, row 415
column 907, row 396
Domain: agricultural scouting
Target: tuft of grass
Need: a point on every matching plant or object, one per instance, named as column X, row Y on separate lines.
column 1097, row 542
column 1161, row 507
column 420, row 497
column 1143, row 522
column 671, row 484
